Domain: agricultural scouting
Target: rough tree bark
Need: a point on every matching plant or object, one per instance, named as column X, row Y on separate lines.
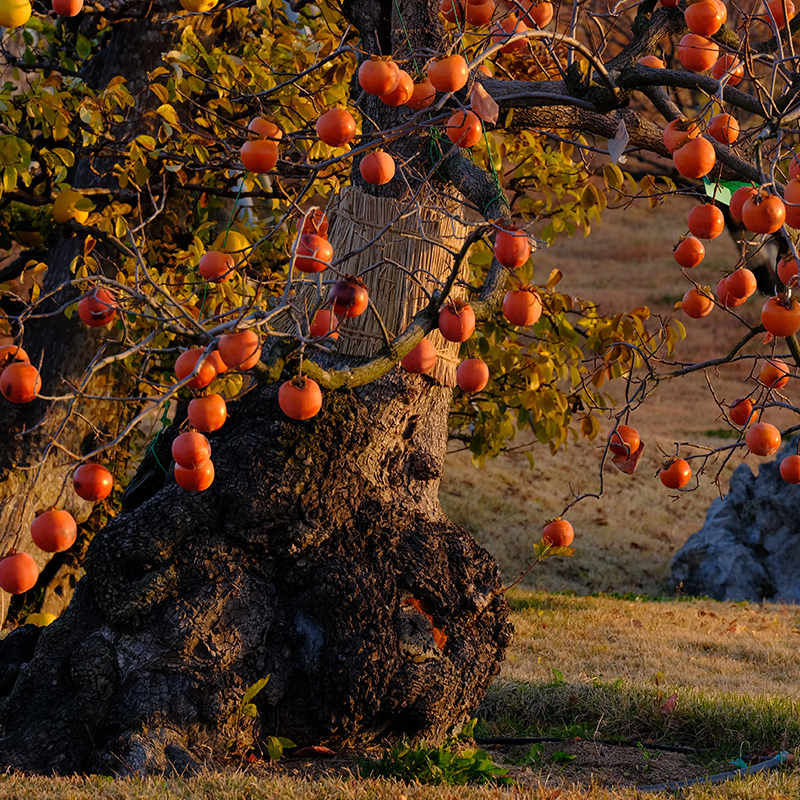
column 320, row 557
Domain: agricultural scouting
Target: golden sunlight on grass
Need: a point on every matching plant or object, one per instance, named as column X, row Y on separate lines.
column 700, row 645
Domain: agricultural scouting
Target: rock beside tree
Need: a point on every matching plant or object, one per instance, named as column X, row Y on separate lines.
column 748, row 547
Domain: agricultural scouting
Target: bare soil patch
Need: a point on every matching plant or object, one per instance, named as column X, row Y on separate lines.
column 599, row 764
column 566, row 763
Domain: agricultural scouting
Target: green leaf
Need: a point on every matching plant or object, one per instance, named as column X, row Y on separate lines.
column 254, row 689
column 83, row 46
column 274, row 748
column 249, row 710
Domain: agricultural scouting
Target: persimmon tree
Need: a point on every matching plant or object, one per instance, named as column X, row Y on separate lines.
column 252, row 249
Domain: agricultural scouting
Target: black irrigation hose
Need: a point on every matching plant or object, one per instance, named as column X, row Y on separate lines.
column 624, row 743
column 776, row 761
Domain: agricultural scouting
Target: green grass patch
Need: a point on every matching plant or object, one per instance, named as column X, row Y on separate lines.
column 722, row 725
column 722, row 433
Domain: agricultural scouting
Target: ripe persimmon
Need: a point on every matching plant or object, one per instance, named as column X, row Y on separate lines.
column 725, row 297
column 505, row 29
column 738, row 199
column 97, row 308
column 689, row 252
column 216, row 266
column 195, row 480
column 9, row 353
column 448, row 74
column 402, row 93
column 742, row 283
column 216, row 360
column 791, row 198
column 315, row 222
column 676, row 473
column 472, row 375
column 18, row 573
column 191, row 449
column 54, row 531
column 786, row 269
column 740, row 411
column 421, row 359
column 423, row 95
column 776, row 7
column 240, row 350
column 464, row 129
column 652, row 61
column 695, row 159
column 624, row 441
column 300, row 398
column 20, row 382
column 730, row 65
column 703, row 18
column 763, row 212
column 539, row 13
column 377, row 167
column 259, row 155
column 763, row 439
column 349, row 297
column 723, row 127
column 790, row 469
column 706, row 221
column 774, row 374
column 92, row 482
column 780, row 316
column 67, row 8
column 522, row 306
column 558, row 533
column 313, row 253
column 697, row 53
column 186, row 364
column 452, row 11
column 336, row 127
column 456, row 321
column 512, row 248
column 696, row 305
column 208, row 413
column 325, row 323
column 264, row 129
column 479, row 12
column 678, row 132
column 377, row 76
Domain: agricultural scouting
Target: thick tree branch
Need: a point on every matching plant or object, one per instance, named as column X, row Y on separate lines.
column 638, row 76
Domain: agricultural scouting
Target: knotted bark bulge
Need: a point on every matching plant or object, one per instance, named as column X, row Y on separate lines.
column 319, row 556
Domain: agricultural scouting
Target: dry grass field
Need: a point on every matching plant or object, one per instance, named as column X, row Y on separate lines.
column 625, row 540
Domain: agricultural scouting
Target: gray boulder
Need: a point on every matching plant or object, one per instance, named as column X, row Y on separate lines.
column 749, row 546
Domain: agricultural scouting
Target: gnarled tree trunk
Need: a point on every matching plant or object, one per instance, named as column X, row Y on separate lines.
column 320, row 557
